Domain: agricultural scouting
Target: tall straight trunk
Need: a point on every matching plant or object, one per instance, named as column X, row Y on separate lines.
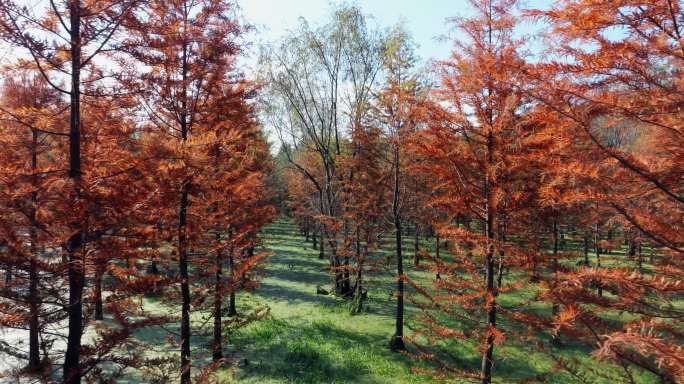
column 232, row 310
column 437, row 247
column 217, row 347
column 314, row 238
column 555, row 308
column 488, row 355
column 34, row 304
column 597, row 245
column 185, row 286
column 346, row 276
column 358, row 283
column 397, row 342
column 416, row 247
column 321, row 246
column 99, row 310
column 586, row 250
column 182, row 224
column 75, row 254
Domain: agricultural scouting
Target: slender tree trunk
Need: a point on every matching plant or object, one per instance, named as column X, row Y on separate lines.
column 397, row 343
column 185, row 286
column 586, row 249
column 314, row 238
column 321, row 247
column 217, row 352
column 182, row 223
column 555, row 308
column 437, row 246
column 306, row 230
column 416, row 247
column 597, row 245
column 34, row 308
column 232, row 310
column 75, row 254
column 99, row 311
column 488, row 355
column 358, row 283
column 34, row 304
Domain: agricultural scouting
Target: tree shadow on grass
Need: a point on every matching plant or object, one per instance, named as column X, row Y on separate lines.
column 316, row 353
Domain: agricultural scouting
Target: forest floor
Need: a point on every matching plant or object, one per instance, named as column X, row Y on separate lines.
column 310, row 338
column 303, row 337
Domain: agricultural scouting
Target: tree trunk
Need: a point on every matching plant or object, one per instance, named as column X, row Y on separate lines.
column 217, row 350
column 99, row 312
column 586, row 250
column 488, row 355
column 416, row 248
column 182, row 225
column 75, row 254
column 397, row 342
column 34, row 304
column 437, row 252
column 232, row 310
column 314, row 238
column 555, row 308
column 185, row 287
column 597, row 245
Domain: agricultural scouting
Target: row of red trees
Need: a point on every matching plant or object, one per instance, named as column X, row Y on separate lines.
column 509, row 159
column 132, row 163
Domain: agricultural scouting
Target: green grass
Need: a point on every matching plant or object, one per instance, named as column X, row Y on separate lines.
column 310, row 338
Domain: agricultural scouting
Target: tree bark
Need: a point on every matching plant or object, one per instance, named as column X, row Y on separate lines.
column 185, row 286
column 217, row 350
column 314, row 238
column 397, row 342
column 34, row 304
column 586, row 250
column 99, row 311
column 597, row 245
column 488, row 355
column 232, row 310
column 76, row 263
column 416, row 247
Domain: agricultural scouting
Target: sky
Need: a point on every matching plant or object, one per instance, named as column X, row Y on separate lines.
column 425, row 19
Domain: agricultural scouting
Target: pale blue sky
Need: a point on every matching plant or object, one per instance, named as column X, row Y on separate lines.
column 426, row 19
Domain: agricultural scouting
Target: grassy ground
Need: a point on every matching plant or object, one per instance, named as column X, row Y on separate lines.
column 310, row 338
